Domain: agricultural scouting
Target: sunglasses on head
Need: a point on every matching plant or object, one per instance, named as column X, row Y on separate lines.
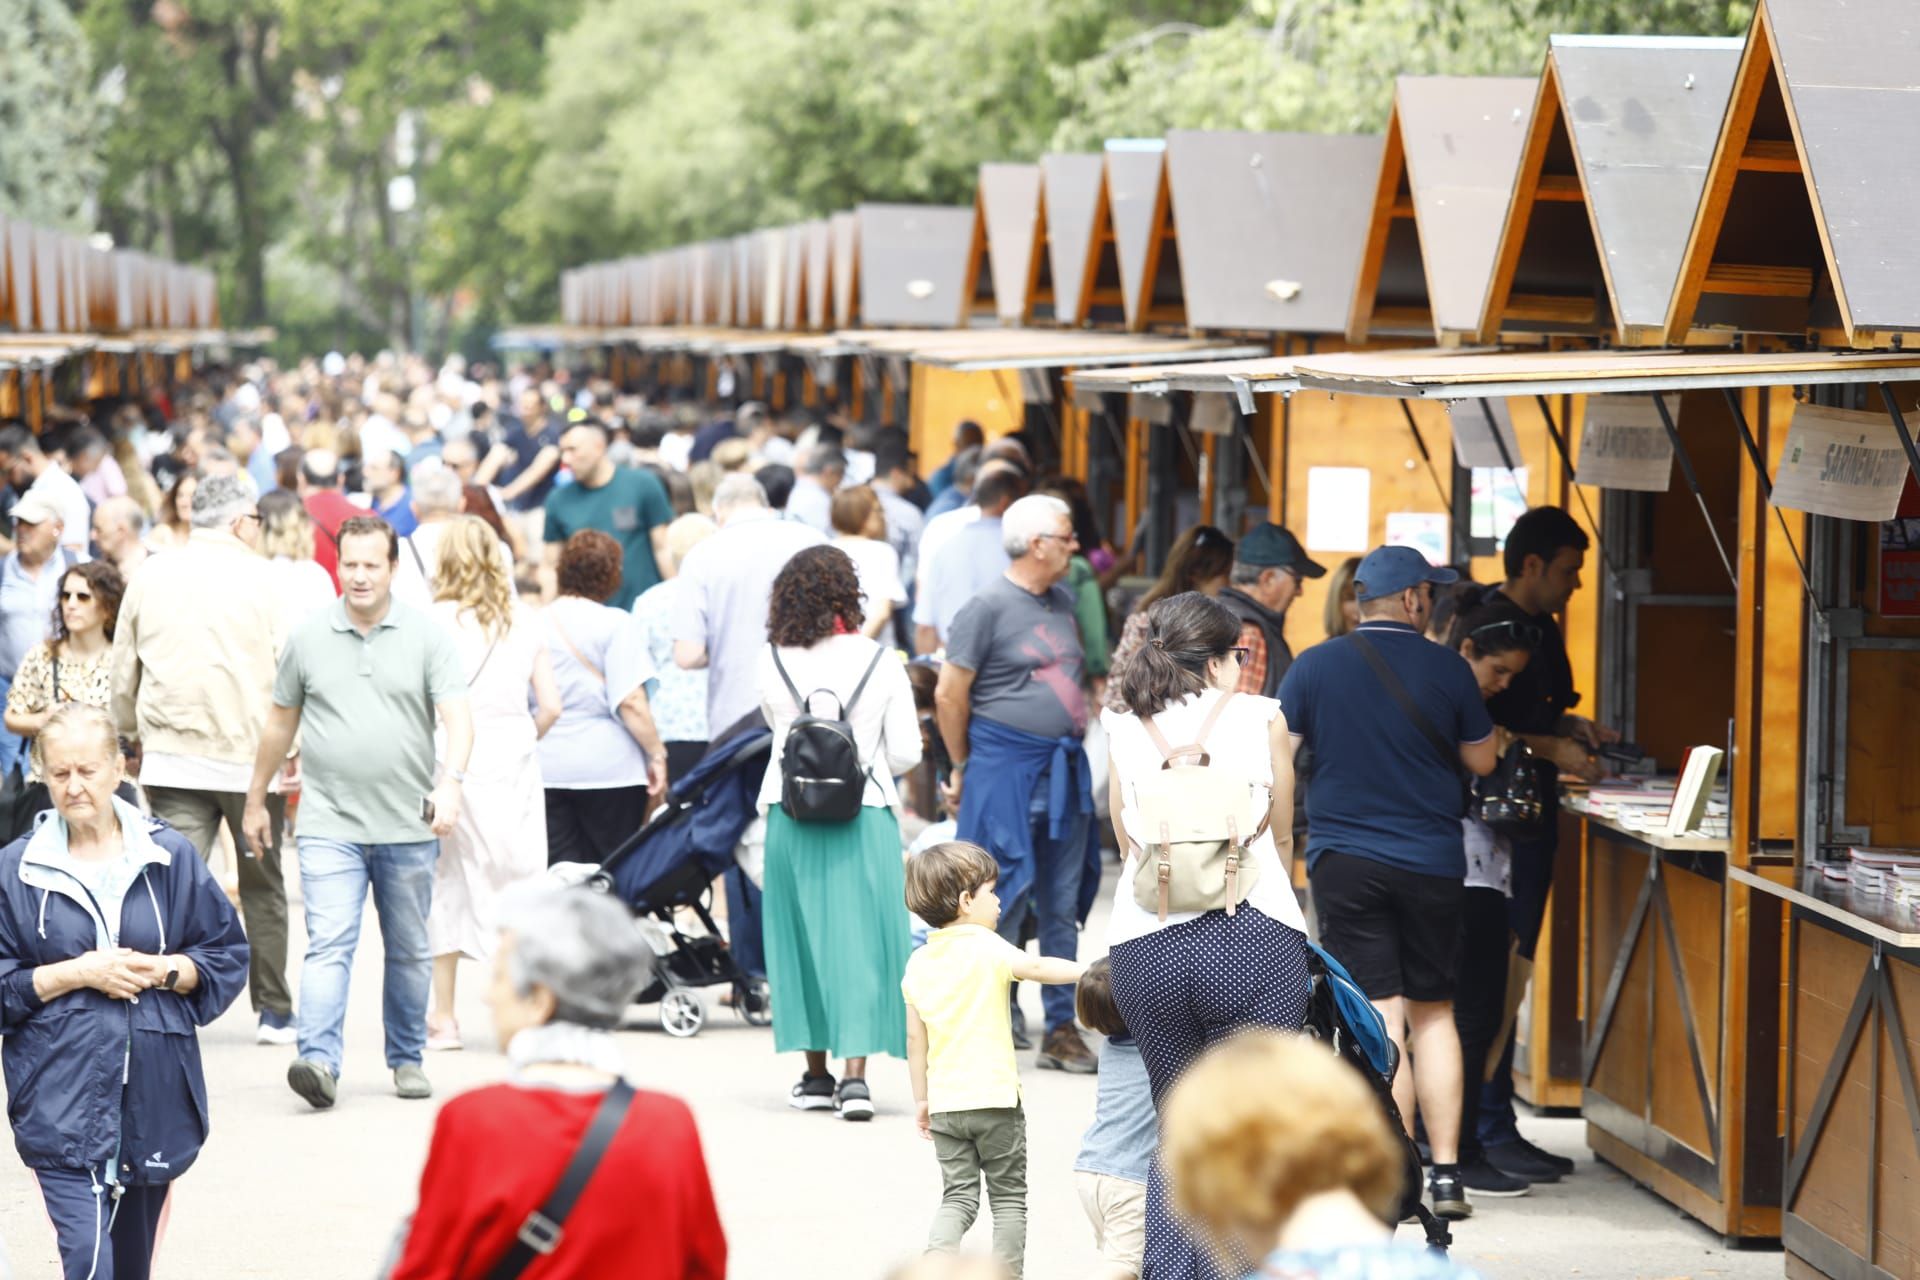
column 1526, row 633
column 1209, row 537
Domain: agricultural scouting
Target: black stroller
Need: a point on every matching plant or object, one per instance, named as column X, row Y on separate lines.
column 671, row 863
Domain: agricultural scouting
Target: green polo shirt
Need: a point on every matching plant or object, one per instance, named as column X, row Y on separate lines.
column 366, row 720
column 629, row 506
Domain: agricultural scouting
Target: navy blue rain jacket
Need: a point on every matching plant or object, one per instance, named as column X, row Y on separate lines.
column 93, row 1083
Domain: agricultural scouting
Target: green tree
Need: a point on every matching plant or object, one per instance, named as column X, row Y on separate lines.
column 49, row 116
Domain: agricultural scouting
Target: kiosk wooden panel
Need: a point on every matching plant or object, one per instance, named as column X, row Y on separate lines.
column 1145, row 251
column 1071, row 195
column 1009, row 231
column 913, row 264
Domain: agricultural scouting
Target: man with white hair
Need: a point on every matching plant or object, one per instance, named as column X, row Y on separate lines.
column 194, row 651
column 1013, row 712
column 720, row 618
column 821, row 469
column 437, row 497
column 120, row 527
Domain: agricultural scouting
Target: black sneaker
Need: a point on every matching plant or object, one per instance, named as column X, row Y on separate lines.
column 853, row 1101
column 1484, row 1179
column 313, row 1081
column 1524, row 1160
column 813, row 1093
column 1449, row 1196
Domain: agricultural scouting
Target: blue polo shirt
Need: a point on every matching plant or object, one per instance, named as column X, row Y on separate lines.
column 1379, row 790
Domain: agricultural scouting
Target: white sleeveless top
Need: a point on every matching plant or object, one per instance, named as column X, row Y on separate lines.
column 1238, row 742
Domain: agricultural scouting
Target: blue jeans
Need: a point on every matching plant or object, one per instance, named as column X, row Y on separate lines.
column 334, row 877
column 13, row 747
column 1055, row 900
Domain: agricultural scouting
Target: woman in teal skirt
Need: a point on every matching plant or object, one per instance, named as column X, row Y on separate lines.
column 835, row 892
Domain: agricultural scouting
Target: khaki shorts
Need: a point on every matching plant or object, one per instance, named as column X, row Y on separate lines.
column 1118, row 1210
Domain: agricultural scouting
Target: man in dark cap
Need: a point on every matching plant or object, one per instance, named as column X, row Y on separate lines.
column 1269, row 567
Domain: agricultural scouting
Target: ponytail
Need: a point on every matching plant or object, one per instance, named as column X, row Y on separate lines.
column 1184, row 633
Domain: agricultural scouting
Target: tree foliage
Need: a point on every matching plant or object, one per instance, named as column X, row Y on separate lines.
column 49, row 120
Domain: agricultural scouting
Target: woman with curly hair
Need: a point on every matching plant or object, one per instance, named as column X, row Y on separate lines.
column 73, row 664
column 836, row 937
column 603, row 757
column 501, row 836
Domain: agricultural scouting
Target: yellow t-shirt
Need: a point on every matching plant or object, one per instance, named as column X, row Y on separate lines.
column 958, row 984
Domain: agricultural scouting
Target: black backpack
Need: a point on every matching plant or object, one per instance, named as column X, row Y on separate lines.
column 821, row 777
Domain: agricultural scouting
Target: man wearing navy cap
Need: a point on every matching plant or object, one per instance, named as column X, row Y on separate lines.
column 1394, row 722
column 1269, row 567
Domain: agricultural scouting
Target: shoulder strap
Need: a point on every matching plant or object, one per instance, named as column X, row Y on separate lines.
column 846, row 712
column 573, row 649
column 543, row 1230
column 1449, row 755
column 1198, row 747
column 418, row 563
column 799, row 702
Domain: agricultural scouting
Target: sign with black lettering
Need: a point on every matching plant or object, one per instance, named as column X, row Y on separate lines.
column 1841, row 463
column 1625, row 445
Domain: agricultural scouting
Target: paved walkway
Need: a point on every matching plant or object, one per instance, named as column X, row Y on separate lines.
column 285, row 1192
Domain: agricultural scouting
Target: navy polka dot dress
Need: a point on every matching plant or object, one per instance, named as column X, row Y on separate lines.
column 1183, row 988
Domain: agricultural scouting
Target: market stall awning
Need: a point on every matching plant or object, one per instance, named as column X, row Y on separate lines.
column 1189, row 375
column 979, row 350
column 1428, row 375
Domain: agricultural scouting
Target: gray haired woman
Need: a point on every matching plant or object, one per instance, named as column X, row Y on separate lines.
column 568, row 963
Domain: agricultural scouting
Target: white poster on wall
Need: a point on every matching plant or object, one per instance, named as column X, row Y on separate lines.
column 1483, row 433
column 1339, row 508
column 1625, row 444
column 1424, row 531
column 1841, row 463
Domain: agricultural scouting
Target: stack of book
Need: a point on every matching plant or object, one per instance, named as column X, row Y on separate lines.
column 1894, row 873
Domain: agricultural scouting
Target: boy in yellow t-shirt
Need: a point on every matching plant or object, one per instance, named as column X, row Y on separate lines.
column 966, row 1086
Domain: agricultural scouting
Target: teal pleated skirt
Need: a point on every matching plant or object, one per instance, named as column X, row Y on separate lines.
column 835, row 928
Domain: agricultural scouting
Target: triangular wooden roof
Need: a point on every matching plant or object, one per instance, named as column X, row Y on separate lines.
column 1009, row 233
column 793, row 279
column 1142, row 227
column 1446, row 172
column 818, row 309
column 1070, row 197
column 1616, row 154
column 913, row 264
column 1805, row 223
column 845, row 234
column 1270, row 226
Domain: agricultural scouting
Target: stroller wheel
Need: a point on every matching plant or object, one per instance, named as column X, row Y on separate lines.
column 753, row 1002
column 682, row 1014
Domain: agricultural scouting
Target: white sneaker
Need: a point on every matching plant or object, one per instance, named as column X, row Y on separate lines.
column 272, row 1030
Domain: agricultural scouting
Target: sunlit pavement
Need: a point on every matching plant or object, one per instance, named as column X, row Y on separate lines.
column 283, row 1191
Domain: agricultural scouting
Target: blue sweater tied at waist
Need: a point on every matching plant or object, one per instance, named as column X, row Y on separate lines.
column 1004, row 766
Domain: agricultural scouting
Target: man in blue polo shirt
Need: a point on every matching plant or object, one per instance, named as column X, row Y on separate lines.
column 1394, row 720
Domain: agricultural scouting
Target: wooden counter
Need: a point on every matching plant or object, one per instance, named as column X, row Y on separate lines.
column 1670, row 1098
column 1852, row 1144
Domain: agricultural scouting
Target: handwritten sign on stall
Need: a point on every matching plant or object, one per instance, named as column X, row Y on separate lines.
column 1625, row 445
column 1841, row 463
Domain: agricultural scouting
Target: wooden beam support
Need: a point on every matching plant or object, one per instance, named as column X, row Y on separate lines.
column 1763, row 155
column 1758, row 281
column 1563, row 188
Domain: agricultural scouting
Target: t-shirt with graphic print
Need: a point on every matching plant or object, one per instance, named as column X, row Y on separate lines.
column 1025, row 655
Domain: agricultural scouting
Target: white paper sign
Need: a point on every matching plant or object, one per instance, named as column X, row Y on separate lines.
column 1625, row 445
column 1339, row 508
column 1475, row 443
column 1424, row 531
column 1842, row 463
column 1213, row 413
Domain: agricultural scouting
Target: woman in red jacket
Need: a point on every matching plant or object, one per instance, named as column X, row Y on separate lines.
column 568, row 964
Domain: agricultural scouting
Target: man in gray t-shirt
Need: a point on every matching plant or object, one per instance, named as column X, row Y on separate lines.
column 1024, row 651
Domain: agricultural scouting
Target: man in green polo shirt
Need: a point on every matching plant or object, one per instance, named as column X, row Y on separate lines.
column 625, row 502
column 361, row 683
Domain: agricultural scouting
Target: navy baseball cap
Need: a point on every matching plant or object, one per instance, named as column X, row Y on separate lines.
column 1270, row 546
column 1387, row 571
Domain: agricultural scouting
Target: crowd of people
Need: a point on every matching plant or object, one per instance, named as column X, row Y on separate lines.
column 426, row 633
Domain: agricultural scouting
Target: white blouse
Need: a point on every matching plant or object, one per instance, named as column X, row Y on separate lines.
column 886, row 726
column 1238, row 742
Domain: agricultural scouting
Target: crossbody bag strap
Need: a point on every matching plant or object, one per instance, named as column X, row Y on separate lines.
column 1449, row 755
column 574, row 649
column 487, row 657
column 544, row 1228
column 418, row 563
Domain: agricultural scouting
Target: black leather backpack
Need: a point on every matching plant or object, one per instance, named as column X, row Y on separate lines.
column 821, row 777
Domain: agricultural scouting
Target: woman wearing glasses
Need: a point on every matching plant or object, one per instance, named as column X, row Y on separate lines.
column 1192, row 978
column 1498, row 641
column 73, row 664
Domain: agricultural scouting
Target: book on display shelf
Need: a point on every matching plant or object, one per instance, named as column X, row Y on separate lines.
column 1694, row 791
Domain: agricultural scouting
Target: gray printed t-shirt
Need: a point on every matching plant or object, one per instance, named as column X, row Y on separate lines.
column 1024, row 652
column 366, row 720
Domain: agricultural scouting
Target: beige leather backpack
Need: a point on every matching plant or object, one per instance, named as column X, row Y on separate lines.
column 1199, row 822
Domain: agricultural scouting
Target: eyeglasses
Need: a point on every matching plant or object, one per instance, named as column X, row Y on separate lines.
column 1068, row 538
column 1526, row 633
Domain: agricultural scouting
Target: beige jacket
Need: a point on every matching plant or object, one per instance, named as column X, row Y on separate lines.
column 195, row 650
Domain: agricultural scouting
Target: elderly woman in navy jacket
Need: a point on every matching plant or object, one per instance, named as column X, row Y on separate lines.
column 115, row 944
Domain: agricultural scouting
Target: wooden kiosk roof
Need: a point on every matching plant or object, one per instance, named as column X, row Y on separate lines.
column 1009, row 232
column 1481, row 374
column 979, row 350
column 1445, row 177
column 1269, row 226
column 817, row 299
column 1141, row 225
column 1616, row 156
column 913, row 264
column 1070, row 193
column 1806, row 222
column 844, row 233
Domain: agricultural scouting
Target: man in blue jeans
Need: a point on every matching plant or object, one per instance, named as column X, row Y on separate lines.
column 361, row 682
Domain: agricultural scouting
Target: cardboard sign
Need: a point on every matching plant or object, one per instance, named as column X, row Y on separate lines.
column 1625, row 445
column 1213, row 413
column 1155, row 410
column 1036, row 386
column 1483, row 433
column 1841, row 463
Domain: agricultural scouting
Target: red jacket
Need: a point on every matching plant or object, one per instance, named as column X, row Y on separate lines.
column 329, row 510
column 647, row 1214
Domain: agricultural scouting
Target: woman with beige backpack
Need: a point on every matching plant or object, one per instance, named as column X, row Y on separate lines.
column 1206, row 937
